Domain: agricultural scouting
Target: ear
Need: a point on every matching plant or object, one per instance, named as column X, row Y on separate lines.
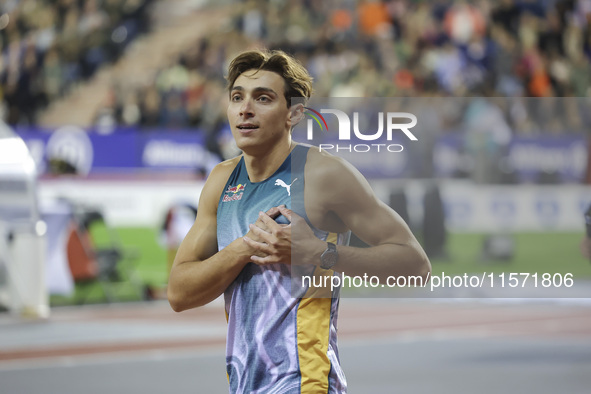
column 296, row 114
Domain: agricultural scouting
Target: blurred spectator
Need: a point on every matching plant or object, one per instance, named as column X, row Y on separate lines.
column 47, row 46
column 373, row 18
column 173, row 114
column 106, row 118
column 130, row 114
column 463, row 21
column 487, row 138
column 150, row 108
column 52, row 73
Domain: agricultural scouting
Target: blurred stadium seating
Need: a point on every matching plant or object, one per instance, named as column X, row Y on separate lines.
column 173, row 77
column 50, row 47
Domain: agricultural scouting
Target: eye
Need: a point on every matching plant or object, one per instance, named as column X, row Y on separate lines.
column 235, row 97
column 264, row 99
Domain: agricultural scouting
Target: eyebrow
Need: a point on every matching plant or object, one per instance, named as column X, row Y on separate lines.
column 256, row 90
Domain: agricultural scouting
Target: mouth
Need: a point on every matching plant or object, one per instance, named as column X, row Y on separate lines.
column 246, row 127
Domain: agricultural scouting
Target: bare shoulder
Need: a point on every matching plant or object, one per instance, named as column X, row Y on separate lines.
column 225, row 168
column 216, row 181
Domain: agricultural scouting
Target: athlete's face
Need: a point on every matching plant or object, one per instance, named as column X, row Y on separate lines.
column 258, row 112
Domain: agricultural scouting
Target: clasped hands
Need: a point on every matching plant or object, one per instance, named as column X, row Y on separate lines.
column 270, row 242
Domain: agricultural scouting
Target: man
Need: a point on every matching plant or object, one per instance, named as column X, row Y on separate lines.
column 241, row 244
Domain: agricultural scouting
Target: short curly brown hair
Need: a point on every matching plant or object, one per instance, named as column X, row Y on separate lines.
column 298, row 82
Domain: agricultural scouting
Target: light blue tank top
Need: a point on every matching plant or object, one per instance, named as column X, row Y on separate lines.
column 276, row 343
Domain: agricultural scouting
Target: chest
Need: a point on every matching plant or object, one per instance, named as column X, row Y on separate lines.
column 242, row 201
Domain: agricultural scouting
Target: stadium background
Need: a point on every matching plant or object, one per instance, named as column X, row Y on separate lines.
column 122, row 105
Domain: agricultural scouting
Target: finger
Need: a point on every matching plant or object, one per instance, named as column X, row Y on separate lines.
column 293, row 217
column 257, row 246
column 268, row 221
column 255, row 252
column 286, row 212
column 266, row 236
column 264, row 260
column 273, row 212
column 258, row 260
column 260, row 250
column 260, row 224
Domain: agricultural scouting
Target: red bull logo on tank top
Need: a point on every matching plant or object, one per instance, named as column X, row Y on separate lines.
column 231, row 193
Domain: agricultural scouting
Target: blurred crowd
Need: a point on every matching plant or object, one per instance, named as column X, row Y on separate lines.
column 508, row 48
column 48, row 46
column 357, row 48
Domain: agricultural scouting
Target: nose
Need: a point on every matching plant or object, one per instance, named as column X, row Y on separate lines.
column 246, row 108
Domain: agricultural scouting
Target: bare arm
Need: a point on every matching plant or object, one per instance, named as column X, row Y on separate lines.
column 200, row 273
column 393, row 251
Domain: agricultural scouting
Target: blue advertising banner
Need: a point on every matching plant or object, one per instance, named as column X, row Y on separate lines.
column 124, row 149
column 540, row 159
column 175, row 150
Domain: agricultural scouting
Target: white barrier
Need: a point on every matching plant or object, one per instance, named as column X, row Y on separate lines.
column 468, row 206
column 125, row 203
column 471, row 207
column 24, row 259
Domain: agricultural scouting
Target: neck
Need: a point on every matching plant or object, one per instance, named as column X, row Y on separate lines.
column 261, row 166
